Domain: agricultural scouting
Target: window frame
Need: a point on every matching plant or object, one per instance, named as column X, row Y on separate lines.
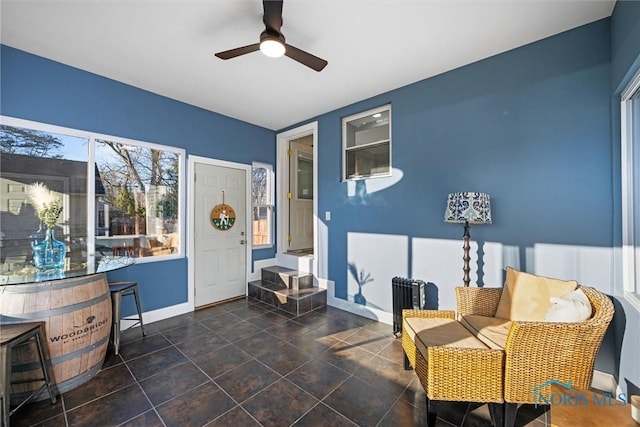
column 269, row 204
column 630, row 172
column 91, row 138
column 345, row 148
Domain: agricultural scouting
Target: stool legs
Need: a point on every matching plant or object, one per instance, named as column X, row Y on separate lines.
column 35, row 335
column 45, row 360
column 6, row 385
column 116, row 302
column 118, row 290
column 135, row 295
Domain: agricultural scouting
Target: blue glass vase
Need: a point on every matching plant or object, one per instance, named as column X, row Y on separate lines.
column 49, row 253
column 37, row 236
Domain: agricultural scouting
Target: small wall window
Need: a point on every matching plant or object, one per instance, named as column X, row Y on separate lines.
column 366, row 141
column 262, row 203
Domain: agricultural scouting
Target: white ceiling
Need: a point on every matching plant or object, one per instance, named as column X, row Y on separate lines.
column 373, row 46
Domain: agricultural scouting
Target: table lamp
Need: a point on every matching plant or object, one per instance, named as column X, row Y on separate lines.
column 468, row 208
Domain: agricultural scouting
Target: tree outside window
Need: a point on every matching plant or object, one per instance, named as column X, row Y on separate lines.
column 140, row 198
column 261, row 197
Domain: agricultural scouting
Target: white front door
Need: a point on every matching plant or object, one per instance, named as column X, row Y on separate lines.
column 301, row 194
column 220, row 246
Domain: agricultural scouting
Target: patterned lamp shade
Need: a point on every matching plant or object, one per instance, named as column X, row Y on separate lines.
column 474, row 208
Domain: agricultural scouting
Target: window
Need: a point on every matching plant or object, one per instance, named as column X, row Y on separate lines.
column 262, row 203
column 137, row 198
column 630, row 133
column 132, row 207
column 56, row 162
column 366, row 140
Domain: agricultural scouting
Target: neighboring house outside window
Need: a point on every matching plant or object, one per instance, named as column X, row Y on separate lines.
column 630, row 147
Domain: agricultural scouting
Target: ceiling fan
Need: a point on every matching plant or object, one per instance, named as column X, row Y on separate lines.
column 272, row 41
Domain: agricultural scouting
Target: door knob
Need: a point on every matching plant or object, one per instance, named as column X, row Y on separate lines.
column 242, row 242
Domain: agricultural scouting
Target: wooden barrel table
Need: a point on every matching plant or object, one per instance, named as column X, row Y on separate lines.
column 77, row 316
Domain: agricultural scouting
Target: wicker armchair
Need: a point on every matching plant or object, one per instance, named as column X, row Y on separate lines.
column 537, row 352
column 533, row 354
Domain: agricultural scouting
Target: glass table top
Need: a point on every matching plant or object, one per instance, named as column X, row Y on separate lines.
column 93, row 265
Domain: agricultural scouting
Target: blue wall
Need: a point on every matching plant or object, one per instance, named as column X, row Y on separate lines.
column 535, row 127
column 625, row 63
column 531, row 127
column 34, row 88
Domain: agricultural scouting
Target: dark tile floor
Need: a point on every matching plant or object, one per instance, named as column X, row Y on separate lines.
column 244, row 363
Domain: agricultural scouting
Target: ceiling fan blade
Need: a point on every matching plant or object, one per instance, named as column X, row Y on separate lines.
column 305, row 58
column 272, row 14
column 232, row 53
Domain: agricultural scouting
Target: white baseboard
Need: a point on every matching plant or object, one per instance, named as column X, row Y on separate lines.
column 159, row 314
column 352, row 307
column 604, row 381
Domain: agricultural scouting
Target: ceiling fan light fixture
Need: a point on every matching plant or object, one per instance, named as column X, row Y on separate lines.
column 272, row 47
column 272, row 42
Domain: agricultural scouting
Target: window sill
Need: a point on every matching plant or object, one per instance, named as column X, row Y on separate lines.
column 254, row 247
column 364, row 177
column 147, row 259
column 633, row 299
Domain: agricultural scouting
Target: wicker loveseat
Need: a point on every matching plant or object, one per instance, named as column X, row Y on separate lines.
column 510, row 363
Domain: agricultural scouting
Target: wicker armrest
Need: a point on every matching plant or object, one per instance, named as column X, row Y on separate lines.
column 537, row 352
column 448, row 314
column 481, row 301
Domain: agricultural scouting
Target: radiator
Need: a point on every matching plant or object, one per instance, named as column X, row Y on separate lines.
column 407, row 293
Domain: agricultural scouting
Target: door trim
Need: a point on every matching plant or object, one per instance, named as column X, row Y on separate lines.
column 190, row 220
column 282, row 182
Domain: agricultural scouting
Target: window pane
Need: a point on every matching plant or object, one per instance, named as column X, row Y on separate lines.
column 259, row 187
column 305, row 178
column 137, row 200
column 368, row 161
column 40, row 168
column 261, row 199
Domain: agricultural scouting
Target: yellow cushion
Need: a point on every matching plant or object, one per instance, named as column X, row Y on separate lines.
column 528, row 297
column 492, row 331
column 436, row 332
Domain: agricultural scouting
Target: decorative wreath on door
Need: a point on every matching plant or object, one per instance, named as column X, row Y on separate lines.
column 223, row 216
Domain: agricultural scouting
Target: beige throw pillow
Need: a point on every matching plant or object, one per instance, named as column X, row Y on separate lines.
column 528, row 297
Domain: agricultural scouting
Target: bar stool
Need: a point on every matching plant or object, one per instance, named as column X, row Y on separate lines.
column 118, row 290
column 13, row 335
